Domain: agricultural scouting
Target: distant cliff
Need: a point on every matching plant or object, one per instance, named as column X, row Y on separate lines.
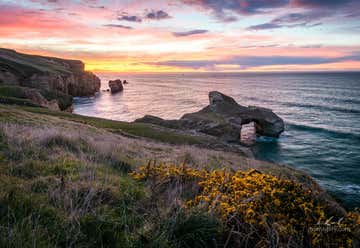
column 53, row 77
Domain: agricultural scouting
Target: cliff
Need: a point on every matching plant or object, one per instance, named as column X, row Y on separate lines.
column 52, row 76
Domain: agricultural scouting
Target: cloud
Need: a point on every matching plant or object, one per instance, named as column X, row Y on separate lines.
column 129, row 18
column 97, row 7
column 226, row 10
column 320, row 3
column 148, row 15
column 191, row 32
column 223, row 9
column 291, row 20
column 157, row 15
column 256, row 61
column 264, row 26
column 117, row 26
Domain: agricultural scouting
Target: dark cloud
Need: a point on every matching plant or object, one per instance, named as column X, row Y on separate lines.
column 157, row 15
column 148, row 15
column 312, row 46
column 225, row 10
column 256, row 61
column 129, row 18
column 320, row 3
column 264, row 26
column 191, row 32
column 117, row 26
column 97, row 7
column 306, row 19
column 222, row 8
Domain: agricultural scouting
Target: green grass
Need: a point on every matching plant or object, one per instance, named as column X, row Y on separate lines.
column 12, row 91
column 28, row 64
column 67, row 199
column 17, row 101
column 10, row 94
column 136, row 129
column 66, row 184
column 64, row 101
column 70, row 200
column 62, row 191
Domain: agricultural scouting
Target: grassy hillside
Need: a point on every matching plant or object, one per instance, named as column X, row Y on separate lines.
column 25, row 64
column 16, row 95
column 73, row 181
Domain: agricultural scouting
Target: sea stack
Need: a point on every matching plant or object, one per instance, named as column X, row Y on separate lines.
column 116, row 86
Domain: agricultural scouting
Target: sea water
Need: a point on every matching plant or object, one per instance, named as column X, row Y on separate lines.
column 321, row 113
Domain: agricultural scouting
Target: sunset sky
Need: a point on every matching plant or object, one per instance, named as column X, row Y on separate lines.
column 188, row 35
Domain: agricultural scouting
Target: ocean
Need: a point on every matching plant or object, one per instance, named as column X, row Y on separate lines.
column 321, row 112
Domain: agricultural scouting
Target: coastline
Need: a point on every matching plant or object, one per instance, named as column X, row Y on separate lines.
column 184, row 146
column 314, row 120
column 76, row 180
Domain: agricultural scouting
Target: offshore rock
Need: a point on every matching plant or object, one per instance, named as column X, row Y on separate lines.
column 116, row 86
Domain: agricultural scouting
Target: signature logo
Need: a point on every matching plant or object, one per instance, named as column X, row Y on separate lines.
column 330, row 225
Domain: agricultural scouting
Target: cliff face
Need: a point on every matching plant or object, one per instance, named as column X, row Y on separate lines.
column 47, row 73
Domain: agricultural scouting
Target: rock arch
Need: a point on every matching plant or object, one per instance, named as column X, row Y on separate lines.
column 224, row 118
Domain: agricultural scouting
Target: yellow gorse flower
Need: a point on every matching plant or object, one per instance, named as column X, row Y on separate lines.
column 252, row 197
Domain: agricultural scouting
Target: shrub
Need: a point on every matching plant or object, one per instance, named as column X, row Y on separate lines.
column 28, row 169
column 115, row 161
column 102, row 230
column 64, row 101
column 26, row 222
column 10, row 93
column 183, row 229
column 257, row 209
column 62, row 141
column 197, row 229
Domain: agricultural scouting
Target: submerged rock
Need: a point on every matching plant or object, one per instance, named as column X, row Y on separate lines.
column 116, row 86
column 223, row 118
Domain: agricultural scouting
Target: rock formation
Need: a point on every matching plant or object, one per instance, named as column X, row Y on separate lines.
column 223, row 118
column 47, row 73
column 116, row 86
column 35, row 97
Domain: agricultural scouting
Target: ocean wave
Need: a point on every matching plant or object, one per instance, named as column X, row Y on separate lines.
column 309, row 105
column 334, row 132
column 322, row 107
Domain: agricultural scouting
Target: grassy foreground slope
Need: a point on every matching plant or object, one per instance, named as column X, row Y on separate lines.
column 73, row 181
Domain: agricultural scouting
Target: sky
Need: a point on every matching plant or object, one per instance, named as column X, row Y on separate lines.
column 188, row 35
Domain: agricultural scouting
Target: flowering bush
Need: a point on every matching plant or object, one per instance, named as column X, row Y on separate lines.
column 260, row 205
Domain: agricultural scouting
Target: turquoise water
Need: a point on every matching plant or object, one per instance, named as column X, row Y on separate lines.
column 321, row 112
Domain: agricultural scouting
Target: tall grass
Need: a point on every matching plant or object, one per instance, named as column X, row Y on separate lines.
column 66, row 184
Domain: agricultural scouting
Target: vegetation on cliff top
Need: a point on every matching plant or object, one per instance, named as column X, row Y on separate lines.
column 25, row 64
column 65, row 182
column 10, row 94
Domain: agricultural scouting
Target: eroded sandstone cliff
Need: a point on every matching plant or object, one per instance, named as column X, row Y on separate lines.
column 55, row 75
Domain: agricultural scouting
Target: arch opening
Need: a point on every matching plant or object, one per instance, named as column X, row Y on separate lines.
column 248, row 133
